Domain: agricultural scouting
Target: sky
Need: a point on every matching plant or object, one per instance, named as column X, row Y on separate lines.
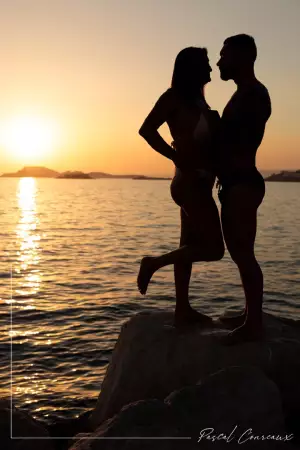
column 91, row 70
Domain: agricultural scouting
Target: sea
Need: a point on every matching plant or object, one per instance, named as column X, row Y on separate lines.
column 69, row 257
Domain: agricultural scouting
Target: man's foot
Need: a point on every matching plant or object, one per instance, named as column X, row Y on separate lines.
column 244, row 333
column 233, row 321
column 191, row 317
column 145, row 274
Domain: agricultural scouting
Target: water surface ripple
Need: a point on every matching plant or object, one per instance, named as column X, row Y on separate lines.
column 74, row 247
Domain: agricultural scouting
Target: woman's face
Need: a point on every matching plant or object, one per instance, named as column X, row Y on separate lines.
column 204, row 70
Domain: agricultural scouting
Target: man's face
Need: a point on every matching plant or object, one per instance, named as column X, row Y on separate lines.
column 227, row 63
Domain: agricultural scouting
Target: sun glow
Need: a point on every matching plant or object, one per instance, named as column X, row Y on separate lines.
column 28, row 137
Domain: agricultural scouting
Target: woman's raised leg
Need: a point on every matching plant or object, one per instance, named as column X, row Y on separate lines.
column 205, row 221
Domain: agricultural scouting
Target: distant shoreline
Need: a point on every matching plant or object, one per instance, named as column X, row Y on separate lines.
column 44, row 172
column 285, row 176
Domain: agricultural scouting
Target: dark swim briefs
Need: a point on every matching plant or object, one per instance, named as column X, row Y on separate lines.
column 250, row 177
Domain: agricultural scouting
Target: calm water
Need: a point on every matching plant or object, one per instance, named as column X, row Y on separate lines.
column 74, row 247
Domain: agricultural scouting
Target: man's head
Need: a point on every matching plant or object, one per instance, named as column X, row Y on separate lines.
column 237, row 56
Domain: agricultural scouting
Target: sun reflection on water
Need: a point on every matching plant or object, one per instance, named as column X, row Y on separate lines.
column 28, row 237
column 26, row 284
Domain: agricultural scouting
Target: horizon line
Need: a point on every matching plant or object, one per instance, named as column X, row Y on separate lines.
column 125, row 174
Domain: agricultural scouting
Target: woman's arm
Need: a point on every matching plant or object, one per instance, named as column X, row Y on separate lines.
column 157, row 116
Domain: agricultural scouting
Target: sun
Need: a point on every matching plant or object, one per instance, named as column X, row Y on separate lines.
column 28, row 137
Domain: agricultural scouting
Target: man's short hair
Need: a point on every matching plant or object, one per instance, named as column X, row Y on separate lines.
column 243, row 43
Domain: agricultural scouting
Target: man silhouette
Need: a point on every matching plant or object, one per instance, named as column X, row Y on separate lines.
column 242, row 187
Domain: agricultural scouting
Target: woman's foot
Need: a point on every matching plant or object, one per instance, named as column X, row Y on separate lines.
column 245, row 333
column 233, row 321
column 145, row 273
column 191, row 317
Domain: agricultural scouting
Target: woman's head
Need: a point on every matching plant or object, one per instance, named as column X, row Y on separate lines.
column 191, row 72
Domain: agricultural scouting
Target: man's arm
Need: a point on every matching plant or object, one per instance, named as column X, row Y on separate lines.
column 250, row 119
column 255, row 109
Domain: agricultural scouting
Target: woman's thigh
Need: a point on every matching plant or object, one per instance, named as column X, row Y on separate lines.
column 188, row 186
column 200, row 221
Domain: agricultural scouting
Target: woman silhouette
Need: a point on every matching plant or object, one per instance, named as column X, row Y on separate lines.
column 193, row 127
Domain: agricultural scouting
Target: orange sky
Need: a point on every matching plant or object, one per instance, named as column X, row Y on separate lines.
column 96, row 68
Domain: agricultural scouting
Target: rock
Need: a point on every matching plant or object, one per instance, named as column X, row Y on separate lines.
column 68, row 428
column 235, row 398
column 22, row 426
column 145, row 418
column 162, row 384
column 231, row 401
column 152, row 359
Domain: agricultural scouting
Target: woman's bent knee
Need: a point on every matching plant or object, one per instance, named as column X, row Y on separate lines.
column 212, row 252
column 219, row 251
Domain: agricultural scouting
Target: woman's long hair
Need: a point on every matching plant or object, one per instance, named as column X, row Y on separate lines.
column 187, row 73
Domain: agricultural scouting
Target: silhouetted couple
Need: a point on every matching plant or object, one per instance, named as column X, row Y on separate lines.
column 205, row 148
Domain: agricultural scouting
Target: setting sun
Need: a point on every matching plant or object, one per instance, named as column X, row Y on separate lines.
column 28, row 136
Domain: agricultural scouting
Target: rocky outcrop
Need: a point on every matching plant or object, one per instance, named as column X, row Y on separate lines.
column 188, row 390
column 18, row 424
column 151, row 359
column 233, row 407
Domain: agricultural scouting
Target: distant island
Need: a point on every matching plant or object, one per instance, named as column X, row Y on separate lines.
column 285, row 175
column 33, row 171
column 44, row 172
column 75, row 174
column 143, row 177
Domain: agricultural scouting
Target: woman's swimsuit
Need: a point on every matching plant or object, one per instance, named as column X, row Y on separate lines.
column 186, row 183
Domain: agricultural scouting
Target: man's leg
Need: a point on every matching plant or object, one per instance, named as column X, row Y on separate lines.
column 239, row 222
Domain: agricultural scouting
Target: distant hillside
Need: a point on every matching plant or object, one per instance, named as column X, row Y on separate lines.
column 33, row 171
column 135, row 177
column 108, row 175
column 143, row 177
column 75, row 174
column 100, row 175
column 285, row 175
column 44, row 172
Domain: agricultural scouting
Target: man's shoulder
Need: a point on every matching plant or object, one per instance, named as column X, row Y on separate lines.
column 259, row 90
column 255, row 98
column 262, row 98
